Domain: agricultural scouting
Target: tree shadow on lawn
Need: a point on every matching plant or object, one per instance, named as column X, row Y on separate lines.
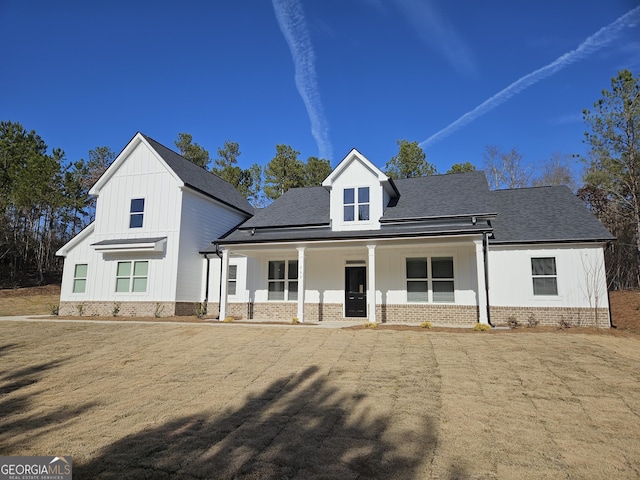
column 17, row 417
column 297, row 427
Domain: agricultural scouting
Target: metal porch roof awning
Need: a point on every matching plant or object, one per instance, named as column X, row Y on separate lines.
column 131, row 245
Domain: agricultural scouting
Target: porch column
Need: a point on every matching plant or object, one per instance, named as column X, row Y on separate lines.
column 371, row 290
column 301, row 286
column 482, row 290
column 224, row 280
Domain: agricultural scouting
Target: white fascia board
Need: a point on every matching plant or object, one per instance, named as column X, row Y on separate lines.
column 84, row 233
column 137, row 139
column 354, row 155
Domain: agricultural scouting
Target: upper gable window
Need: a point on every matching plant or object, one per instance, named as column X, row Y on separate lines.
column 136, row 213
column 356, row 200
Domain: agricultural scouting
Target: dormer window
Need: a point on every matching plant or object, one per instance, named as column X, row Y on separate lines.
column 356, row 200
column 136, row 213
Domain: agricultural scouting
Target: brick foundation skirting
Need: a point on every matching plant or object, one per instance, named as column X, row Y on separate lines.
column 464, row 315
column 125, row 309
column 318, row 312
column 333, row 312
column 552, row 316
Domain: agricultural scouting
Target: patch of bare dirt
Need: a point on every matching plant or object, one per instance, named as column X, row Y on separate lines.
column 625, row 310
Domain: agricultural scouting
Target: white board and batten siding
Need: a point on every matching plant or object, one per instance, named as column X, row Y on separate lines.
column 80, row 253
column 140, row 175
column 356, row 176
column 203, row 220
column 579, row 271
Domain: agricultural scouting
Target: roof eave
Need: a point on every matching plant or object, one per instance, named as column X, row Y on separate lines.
column 548, row 241
column 437, row 217
column 217, row 199
column 388, row 236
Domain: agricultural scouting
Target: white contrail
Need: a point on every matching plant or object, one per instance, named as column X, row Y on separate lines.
column 592, row 44
column 294, row 28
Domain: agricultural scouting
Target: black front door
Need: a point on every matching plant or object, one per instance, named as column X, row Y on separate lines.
column 355, row 302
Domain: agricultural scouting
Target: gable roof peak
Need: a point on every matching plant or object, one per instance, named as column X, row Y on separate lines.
column 186, row 173
column 355, row 156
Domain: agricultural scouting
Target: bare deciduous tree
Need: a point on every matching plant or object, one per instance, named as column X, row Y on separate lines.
column 506, row 169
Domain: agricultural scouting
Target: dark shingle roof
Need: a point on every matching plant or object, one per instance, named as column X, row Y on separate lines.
column 326, row 234
column 442, row 196
column 528, row 215
column 544, row 214
column 307, row 209
column 424, row 197
column 298, row 206
column 200, row 179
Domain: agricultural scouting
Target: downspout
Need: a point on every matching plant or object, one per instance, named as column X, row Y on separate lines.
column 206, row 283
column 485, row 252
column 611, row 325
column 219, row 254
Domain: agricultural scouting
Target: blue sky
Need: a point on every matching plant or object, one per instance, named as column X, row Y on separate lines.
column 323, row 76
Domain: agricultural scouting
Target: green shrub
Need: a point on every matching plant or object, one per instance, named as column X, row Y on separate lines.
column 116, row 309
column 54, row 309
column 80, row 308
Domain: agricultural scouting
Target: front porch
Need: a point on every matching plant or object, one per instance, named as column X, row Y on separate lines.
column 356, row 281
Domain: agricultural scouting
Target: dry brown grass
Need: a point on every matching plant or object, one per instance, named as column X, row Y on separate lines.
column 29, row 301
column 231, row 401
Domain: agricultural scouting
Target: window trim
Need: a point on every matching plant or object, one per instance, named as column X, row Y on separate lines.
column 136, row 214
column 424, row 279
column 356, row 204
column 429, row 279
column 287, row 280
column 77, row 278
column 132, row 277
column 553, row 276
column 232, row 280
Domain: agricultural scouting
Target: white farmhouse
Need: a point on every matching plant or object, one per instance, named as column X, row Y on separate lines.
column 441, row 248
column 154, row 212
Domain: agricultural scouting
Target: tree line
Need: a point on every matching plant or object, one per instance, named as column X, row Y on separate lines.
column 44, row 199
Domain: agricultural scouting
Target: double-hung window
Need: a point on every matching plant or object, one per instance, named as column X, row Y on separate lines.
column 283, row 280
column 435, row 275
column 442, row 274
column 417, row 280
column 132, row 276
column 80, row 278
column 545, row 277
column 356, row 204
column 136, row 213
column 232, row 281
